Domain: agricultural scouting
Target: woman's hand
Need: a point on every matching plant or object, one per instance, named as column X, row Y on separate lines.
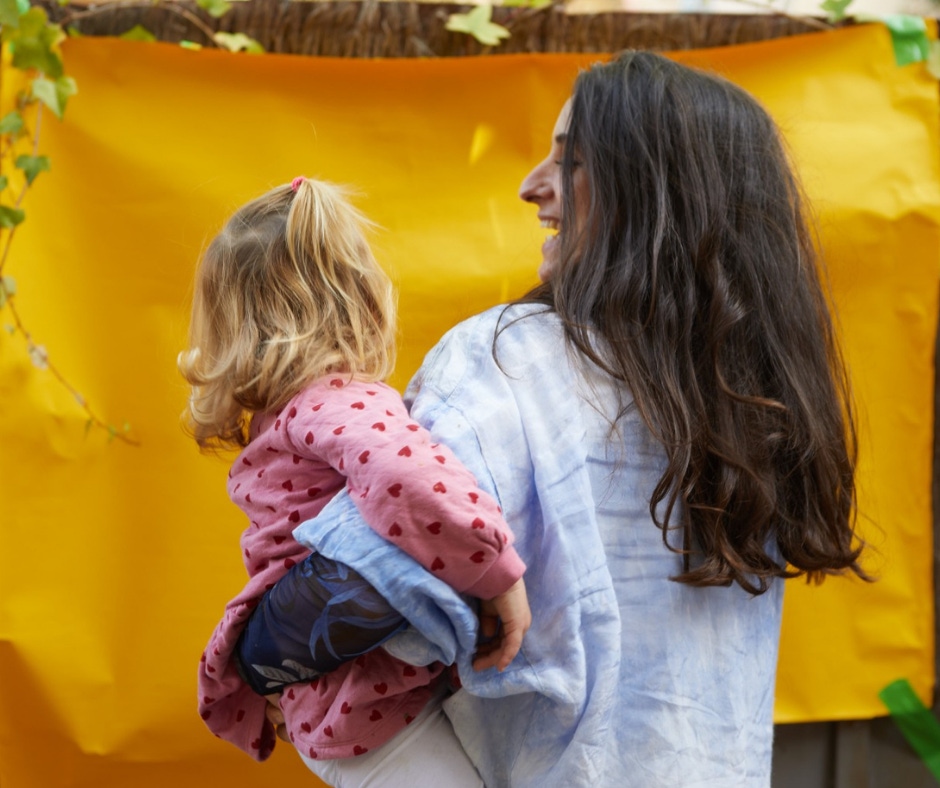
column 504, row 620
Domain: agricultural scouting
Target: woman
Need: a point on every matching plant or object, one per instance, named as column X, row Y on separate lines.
column 666, row 424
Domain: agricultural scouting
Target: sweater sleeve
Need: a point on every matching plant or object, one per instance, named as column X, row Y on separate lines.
column 409, row 489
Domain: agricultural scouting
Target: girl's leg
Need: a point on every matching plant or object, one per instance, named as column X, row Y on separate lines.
column 318, row 616
column 426, row 754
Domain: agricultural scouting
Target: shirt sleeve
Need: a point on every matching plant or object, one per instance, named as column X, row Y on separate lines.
column 412, row 491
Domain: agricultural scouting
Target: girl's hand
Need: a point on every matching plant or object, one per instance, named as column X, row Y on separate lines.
column 276, row 716
column 504, row 620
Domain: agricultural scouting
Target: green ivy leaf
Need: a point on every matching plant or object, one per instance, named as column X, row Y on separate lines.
column 236, row 42
column 32, row 166
column 7, row 289
column 10, row 217
column 835, row 9
column 9, row 13
column 33, row 43
column 477, row 24
column 54, row 94
column 138, row 33
column 214, row 8
column 11, row 123
column 933, row 59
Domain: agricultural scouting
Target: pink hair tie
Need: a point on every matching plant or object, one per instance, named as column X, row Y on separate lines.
column 295, row 184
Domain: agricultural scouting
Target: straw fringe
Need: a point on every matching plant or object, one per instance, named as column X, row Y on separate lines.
column 392, row 29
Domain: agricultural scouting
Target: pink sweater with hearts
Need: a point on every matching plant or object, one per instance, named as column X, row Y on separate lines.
column 413, row 492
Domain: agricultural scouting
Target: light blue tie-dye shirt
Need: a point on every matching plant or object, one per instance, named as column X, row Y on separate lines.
column 625, row 678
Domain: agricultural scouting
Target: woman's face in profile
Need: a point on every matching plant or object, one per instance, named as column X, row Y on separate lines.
column 543, row 187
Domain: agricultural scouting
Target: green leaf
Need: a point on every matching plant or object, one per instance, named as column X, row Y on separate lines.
column 54, row 94
column 236, row 42
column 22, row 6
column 34, row 42
column 477, row 24
column 214, row 8
column 3, row 182
column 7, row 289
column 138, row 33
column 10, row 217
column 11, row 123
column 9, row 13
column 32, row 166
column 835, row 9
column 190, row 45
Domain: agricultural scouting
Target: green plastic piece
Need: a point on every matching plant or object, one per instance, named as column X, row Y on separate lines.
column 915, row 721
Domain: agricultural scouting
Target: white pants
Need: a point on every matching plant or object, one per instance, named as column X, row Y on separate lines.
column 426, row 754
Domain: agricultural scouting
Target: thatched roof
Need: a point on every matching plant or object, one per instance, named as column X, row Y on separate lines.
column 407, row 29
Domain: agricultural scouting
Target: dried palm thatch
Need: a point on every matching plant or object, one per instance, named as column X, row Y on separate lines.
column 408, row 29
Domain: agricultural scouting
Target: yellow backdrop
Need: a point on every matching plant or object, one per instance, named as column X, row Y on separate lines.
column 115, row 561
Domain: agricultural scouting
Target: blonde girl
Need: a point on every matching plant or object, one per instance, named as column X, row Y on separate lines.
column 292, row 332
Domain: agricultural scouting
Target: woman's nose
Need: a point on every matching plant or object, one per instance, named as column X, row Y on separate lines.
column 536, row 186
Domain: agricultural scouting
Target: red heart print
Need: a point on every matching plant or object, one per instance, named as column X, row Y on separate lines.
column 336, row 383
column 389, row 413
column 290, row 693
column 358, row 750
column 358, row 405
column 277, row 424
column 245, row 461
column 440, row 488
column 261, row 473
column 375, row 716
column 339, row 429
column 477, row 557
column 409, row 670
column 413, row 427
column 477, row 523
column 434, row 528
column 210, row 669
column 236, row 487
column 305, row 727
column 289, row 562
column 248, row 497
column 279, row 539
column 297, row 459
column 440, row 458
column 345, row 708
column 317, row 406
column 395, row 530
column 328, row 731
column 312, row 752
column 313, row 492
column 308, row 438
column 364, row 457
column 379, row 426
column 256, row 744
column 473, row 497
column 294, row 516
column 408, row 719
column 205, row 714
column 437, row 564
column 394, row 490
column 404, row 451
column 291, row 413
column 288, row 485
column 381, row 687
column 240, row 716
column 207, row 700
column 342, row 463
column 272, row 450
column 315, row 683
column 371, row 393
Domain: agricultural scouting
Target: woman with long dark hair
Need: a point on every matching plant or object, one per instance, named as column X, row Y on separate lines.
column 666, row 423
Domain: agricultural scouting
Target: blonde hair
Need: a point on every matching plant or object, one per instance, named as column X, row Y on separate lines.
column 287, row 292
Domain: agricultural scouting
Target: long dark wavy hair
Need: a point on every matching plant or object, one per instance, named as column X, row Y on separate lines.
column 697, row 267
